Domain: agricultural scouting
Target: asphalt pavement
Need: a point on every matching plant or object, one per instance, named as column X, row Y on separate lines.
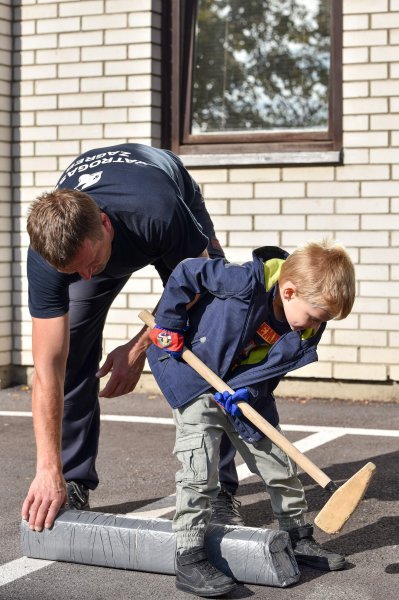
column 137, row 468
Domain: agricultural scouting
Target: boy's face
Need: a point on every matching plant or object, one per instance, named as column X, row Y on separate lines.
column 299, row 313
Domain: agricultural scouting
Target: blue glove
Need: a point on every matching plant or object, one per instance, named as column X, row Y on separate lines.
column 170, row 340
column 228, row 401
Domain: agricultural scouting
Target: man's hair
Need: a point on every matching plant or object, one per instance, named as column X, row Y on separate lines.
column 59, row 222
column 323, row 275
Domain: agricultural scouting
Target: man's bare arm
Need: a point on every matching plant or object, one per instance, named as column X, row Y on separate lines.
column 126, row 363
column 47, row 493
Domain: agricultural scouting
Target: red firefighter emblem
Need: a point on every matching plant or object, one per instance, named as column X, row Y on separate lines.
column 164, row 338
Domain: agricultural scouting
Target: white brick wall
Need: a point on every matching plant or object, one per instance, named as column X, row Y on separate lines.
column 88, row 73
column 6, row 256
column 353, row 203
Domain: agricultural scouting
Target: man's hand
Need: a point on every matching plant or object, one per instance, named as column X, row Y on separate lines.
column 126, row 363
column 46, row 495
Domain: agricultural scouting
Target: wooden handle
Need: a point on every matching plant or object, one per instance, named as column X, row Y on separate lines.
column 256, row 419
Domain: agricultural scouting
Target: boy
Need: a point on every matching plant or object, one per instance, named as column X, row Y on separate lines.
column 251, row 324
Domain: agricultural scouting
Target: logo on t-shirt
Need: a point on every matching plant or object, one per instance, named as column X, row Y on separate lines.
column 87, row 180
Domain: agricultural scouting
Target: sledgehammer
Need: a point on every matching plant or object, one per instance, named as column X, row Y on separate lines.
column 344, row 499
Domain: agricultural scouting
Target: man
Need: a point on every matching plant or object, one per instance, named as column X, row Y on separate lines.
column 114, row 211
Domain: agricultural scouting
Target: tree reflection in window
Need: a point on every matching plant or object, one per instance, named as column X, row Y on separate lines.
column 261, row 65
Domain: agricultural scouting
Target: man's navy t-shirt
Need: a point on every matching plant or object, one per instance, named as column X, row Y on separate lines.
column 147, row 194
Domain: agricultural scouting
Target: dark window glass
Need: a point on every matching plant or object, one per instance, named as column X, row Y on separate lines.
column 261, row 66
column 253, row 76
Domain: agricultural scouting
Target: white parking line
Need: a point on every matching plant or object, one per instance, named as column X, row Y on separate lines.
column 115, row 418
column 21, row 567
column 14, row 413
column 344, row 430
column 169, row 421
column 131, row 419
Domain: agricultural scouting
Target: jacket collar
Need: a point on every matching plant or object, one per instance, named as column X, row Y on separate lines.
column 260, row 255
column 266, row 252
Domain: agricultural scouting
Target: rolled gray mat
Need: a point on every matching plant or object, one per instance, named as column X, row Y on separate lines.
column 250, row 555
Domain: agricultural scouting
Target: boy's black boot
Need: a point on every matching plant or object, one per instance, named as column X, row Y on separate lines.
column 196, row 575
column 225, row 509
column 308, row 552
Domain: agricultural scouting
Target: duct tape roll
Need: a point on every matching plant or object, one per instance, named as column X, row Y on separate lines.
column 250, row 555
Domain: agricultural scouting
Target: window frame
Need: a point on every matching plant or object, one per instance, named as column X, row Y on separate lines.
column 259, row 147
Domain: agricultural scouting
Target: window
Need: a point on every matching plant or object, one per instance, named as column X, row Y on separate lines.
column 253, row 80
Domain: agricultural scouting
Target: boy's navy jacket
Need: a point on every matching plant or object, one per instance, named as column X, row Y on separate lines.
column 233, row 305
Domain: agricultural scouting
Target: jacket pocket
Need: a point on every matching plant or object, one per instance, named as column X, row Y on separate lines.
column 198, row 340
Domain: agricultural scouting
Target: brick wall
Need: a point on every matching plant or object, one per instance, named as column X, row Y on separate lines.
column 88, row 73
column 6, row 255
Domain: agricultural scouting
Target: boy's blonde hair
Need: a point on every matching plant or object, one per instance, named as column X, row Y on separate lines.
column 324, row 276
